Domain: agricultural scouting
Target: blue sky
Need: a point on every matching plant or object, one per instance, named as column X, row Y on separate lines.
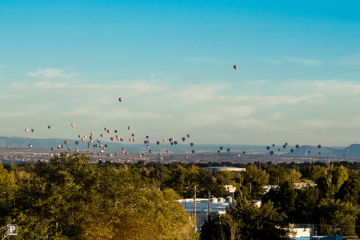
column 171, row 61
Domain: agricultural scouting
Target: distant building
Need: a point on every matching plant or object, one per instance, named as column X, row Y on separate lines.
column 302, row 185
column 232, row 169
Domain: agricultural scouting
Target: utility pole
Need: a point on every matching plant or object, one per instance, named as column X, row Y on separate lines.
column 195, row 206
column 209, row 206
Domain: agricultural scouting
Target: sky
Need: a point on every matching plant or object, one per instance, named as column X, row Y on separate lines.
column 171, row 62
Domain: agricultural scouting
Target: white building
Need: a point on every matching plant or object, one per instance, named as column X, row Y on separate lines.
column 232, row 169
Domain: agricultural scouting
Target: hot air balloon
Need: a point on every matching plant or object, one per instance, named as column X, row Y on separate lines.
column 186, row 157
column 267, row 147
column 164, row 140
column 76, row 150
column 51, row 154
column 218, row 151
column 167, row 151
column 273, row 145
column 101, row 151
column 69, row 148
column 91, row 141
column 133, row 158
column 77, row 142
column 101, row 135
column 26, row 130
column 157, row 142
column 100, row 146
column 243, row 152
column 122, row 139
column 319, row 152
column 319, row 146
column 150, row 151
column 292, row 150
column 115, row 131
column 72, row 124
column 271, row 152
column 147, row 146
column 105, row 129
column 147, row 137
column 58, row 146
column 183, row 139
column 175, row 142
column 191, row 144
column 66, row 142
column 221, row 148
column 52, row 148
column 120, row 99
column 129, row 127
column 193, row 151
column 109, row 155
column 95, row 146
column 100, row 141
column 297, row 146
column 30, row 145
column 161, row 158
column 108, row 131
column 279, row 149
column 159, row 154
column 106, row 145
column 347, row 150
column 284, row 146
column 32, row 130
column 235, row 67
column 171, row 143
column 98, row 153
column 49, row 127
column 228, row 149
column 308, row 151
column 90, row 137
column 170, row 139
column 188, row 136
column 62, row 146
column 344, row 155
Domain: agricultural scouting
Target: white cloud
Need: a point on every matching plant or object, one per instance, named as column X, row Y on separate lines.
column 239, row 111
column 2, row 66
column 321, row 123
column 275, row 100
column 277, row 116
column 353, row 60
column 17, row 85
column 152, row 75
column 337, row 87
column 17, row 114
column 270, row 60
column 69, row 67
column 305, row 61
column 50, row 73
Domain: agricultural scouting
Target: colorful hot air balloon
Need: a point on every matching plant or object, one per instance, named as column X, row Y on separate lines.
column 32, row 130
column 297, row 146
column 26, row 130
column 167, row 151
column 267, row 147
column 186, row 157
column 72, row 124
column 52, row 148
column 164, row 140
column 66, row 142
column 188, row 135
column 101, row 135
column 129, row 127
column 183, row 139
column 122, row 139
column 108, row 131
column 69, row 148
column 49, row 127
column 235, row 67
column 30, row 145
column 161, row 158
column 51, row 154
column 58, row 146
column 76, row 150
column 150, row 151
column 175, row 142
column 120, row 99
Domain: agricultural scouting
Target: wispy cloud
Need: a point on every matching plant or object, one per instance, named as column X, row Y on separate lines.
column 50, row 73
column 270, row 60
column 2, row 66
column 69, row 67
column 305, row 61
column 353, row 60
column 17, row 114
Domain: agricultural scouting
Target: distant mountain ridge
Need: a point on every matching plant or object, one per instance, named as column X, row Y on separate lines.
column 184, row 147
